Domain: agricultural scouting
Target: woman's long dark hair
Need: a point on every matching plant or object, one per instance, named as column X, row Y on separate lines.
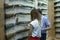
column 34, row 14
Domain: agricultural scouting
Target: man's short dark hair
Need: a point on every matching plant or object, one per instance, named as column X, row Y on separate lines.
column 40, row 11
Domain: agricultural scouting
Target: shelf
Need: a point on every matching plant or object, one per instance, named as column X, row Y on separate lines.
column 56, row 22
column 57, row 2
column 7, row 6
column 45, row 12
column 57, row 19
column 23, row 38
column 57, row 35
column 57, row 10
column 10, row 6
column 57, row 14
column 22, row 32
column 22, row 18
column 17, row 29
column 21, row 2
column 18, row 10
column 23, row 23
column 7, row 16
column 43, row 2
column 20, row 36
column 10, row 20
column 57, row 25
column 57, row 32
column 56, row 7
column 57, row 29
column 43, row 7
column 9, row 26
column 22, row 14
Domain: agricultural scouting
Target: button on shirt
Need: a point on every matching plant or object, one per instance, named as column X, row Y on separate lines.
column 37, row 28
column 45, row 23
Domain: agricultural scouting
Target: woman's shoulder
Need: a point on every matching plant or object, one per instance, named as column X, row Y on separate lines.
column 34, row 21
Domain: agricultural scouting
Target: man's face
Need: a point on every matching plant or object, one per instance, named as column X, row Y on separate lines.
column 39, row 15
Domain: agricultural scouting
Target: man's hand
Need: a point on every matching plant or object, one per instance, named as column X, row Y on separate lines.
column 48, row 28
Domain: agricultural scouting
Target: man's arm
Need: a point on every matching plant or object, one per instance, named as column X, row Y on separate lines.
column 47, row 23
column 48, row 28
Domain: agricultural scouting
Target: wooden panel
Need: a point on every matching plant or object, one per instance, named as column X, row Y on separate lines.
column 1, row 3
column 2, row 33
column 51, row 33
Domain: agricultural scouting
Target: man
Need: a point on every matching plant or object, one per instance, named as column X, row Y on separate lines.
column 45, row 25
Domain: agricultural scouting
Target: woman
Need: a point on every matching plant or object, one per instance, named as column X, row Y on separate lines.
column 35, row 25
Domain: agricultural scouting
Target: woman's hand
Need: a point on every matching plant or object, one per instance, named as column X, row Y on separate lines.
column 31, row 28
